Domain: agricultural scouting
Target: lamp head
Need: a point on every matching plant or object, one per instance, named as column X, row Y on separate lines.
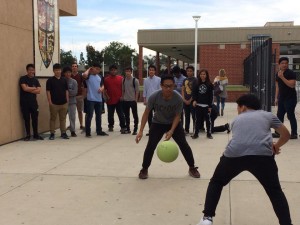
column 196, row 18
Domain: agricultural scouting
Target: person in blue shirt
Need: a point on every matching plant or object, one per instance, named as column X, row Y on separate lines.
column 151, row 84
column 95, row 88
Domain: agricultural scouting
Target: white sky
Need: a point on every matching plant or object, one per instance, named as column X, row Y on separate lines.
column 99, row 22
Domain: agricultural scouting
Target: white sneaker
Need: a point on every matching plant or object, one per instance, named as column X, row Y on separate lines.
column 206, row 220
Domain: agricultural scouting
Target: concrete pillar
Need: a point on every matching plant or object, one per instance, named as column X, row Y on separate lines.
column 157, row 64
column 141, row 65
column 169, row 64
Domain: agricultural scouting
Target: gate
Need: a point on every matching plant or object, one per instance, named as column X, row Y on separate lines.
column 259, row 70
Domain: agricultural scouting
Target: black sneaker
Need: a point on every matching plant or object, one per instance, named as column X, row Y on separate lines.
column 276, row 135
column 134, row 133
column 110, row 129
column 52, row 136
column 102, row 133
column 88, row 135
column 82, row 127
column 294, row 136
column 143, row 174
column 38, row 137
column 227, row 127
column 125, row 131
column 147, row 134
column 27, row 138
column 73, row 134
column 209, row 136
column 64, row 136
column 193, row 172
column 194, row 136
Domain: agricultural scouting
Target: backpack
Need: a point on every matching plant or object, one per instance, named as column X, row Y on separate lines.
column 133, row 83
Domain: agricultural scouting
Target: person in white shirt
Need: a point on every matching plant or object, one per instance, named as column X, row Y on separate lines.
column 151, row 84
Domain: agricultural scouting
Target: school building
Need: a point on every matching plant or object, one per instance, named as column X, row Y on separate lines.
column 218, row 48
column 17, row 44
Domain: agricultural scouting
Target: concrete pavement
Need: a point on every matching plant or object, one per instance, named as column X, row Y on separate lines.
column 94, row 181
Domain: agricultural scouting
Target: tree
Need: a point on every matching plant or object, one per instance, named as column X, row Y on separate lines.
column 93, row 56
column 66, row 58
column 119, row 54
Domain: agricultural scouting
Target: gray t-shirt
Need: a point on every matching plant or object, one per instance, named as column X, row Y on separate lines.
column 251, row 134
column 129, row 91
column 164, row 110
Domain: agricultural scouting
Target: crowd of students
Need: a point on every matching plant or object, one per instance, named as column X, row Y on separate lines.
column 68, row 90
column 167, row 99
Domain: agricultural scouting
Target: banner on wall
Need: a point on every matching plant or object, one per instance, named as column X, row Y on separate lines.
column 46, row 48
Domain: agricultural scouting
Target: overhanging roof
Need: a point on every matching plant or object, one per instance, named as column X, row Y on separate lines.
column 180, row 43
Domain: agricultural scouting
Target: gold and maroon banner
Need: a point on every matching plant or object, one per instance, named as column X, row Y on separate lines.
column 46, row 47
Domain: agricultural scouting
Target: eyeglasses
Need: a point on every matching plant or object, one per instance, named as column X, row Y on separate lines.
column 170, row 86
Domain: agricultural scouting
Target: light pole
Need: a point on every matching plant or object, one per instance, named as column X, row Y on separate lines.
column 196, row 18
column 132, row 61
column 103, row 69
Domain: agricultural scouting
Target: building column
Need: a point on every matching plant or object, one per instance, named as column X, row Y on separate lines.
column 157, row 64
column 198, row 58
column 141, row 65
column 169, row 65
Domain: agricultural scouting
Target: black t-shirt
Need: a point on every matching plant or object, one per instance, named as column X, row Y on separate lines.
column 57, row 88
column 284, row 90
column 27, row 97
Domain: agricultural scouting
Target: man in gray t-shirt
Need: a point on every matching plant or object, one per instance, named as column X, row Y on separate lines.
column 167, row 105
column 250, row 149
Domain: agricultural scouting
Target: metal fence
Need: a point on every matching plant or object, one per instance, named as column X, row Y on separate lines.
column 259, row 70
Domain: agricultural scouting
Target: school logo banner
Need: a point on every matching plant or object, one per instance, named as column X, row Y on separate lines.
column 46, row 36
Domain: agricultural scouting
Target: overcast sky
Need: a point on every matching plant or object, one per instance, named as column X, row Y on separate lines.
column 98, row 22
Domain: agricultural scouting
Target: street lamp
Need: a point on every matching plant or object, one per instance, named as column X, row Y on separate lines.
column 196, row 18
column 103, row 70
column 132, row 62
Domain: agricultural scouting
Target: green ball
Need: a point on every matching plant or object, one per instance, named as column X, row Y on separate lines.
column 167, row 151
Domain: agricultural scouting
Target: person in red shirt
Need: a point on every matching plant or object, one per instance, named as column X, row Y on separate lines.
column 113, row 92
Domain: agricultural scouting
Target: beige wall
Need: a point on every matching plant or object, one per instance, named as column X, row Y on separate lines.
column 16, row 44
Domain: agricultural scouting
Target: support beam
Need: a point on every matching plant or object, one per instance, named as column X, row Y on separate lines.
column 141, row 65
column 157, row 64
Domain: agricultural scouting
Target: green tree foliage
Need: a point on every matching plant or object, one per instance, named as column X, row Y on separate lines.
column 119, row 54
column 93, row 56
column 66, row 58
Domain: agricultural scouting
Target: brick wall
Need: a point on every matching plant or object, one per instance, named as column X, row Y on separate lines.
column 234, row 95
column 231, row 59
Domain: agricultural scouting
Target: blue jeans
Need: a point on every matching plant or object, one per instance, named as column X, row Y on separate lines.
column 287, row 106
column 265, row 170
column 90, row 107
column 222, row 101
